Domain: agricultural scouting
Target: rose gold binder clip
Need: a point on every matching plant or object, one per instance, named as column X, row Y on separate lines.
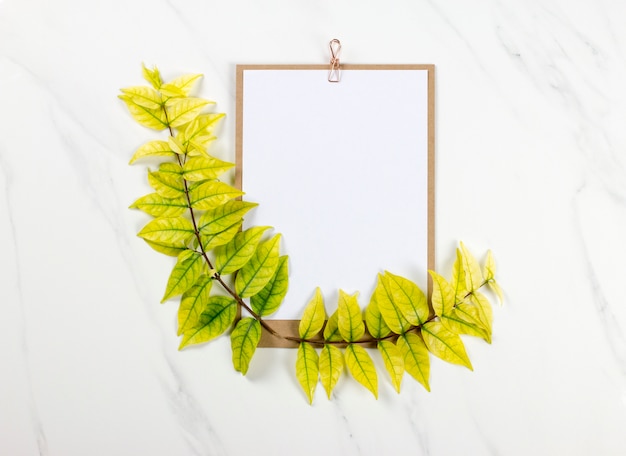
column 335, row 49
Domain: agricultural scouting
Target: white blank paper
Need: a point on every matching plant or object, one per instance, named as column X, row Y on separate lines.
column 341, row 170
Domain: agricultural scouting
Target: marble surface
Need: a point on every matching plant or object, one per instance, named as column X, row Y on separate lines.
column 531, row 157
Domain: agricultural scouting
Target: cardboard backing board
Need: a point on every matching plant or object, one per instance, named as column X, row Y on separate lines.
column 345, row 171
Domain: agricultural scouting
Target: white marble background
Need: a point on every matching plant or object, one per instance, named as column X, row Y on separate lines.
column 531, row 162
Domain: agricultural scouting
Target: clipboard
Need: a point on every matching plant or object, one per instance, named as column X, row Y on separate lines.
column 344, row 170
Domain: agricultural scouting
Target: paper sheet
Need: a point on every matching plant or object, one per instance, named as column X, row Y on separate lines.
column 342, row 171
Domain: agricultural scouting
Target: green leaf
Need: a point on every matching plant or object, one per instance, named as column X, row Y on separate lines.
column 183, row 110
column 165, row 248
column 167, row 185
column 181, row 85
column 490, row 267
column 155, row 148
column 185, row 273
column 376, row 325
column 176, row 146
column 465, row 319
column 495, row 287
column 416, row 358
column 349, row 318
column 203, row 168
column 210, row 241
column 268, row 300
column 394, row 362
column 244, row 340
column 158, row 206
column 307, row 369
column 152, row 76
column 151, row 118
column 172, row 169
column 211, row 194
column 484, row 309
column 219, row 314
column 445, row 344
column 331, row 330
column 173, row 232
column 458, row 283
column 193, row 303
column 490, row 272
column 391, row 313
column 199, row 132
column 313, row 317
column 362, row 367
column 144, row 96
column 443, row 298
column 234, row 255
column 330, row 366
column 473, row 274
column 407, row 298
column 223, row 217
column 259, row 270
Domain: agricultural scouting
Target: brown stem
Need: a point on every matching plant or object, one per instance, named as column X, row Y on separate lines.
column 241, row 303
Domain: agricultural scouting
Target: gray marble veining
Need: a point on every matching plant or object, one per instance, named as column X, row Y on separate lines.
column 531, row 162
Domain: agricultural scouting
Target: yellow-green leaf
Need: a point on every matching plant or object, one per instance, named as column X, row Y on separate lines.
column 406, row 297
column 473, row 274
column 155, row 148
column 168, row 185
column 158, row 206
column 144, row 96
column 394, row 362
column 210, row 241
column 307, row 369
column 443, row 298
column 183, row 110
column 170, row 91
column 211, row 194
column 376, row 325
column 445, row 344
column 176, row 145
column 259, row 270
column 199, row 132
column 165, row 248
column 349, row 318
column 362, row 367
column 490, row 266
column 330, row 366
column 484, row 309
column 416, row 358
column 234, row 255
column 490, row 272
column 217, row 317
column 152, row 76
column 331, row 330
column 203, row 168
column 392, row 315
column 244, row 340
column 495, row 287
column 222, row 217
column 185, row 273
column 268, row 300
column 173, row 232
column 172, row 169
column 458, row 283
column 465, row 319
column 313, row 317
column 181, row 85
column 151, row 118
column 193, row 303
